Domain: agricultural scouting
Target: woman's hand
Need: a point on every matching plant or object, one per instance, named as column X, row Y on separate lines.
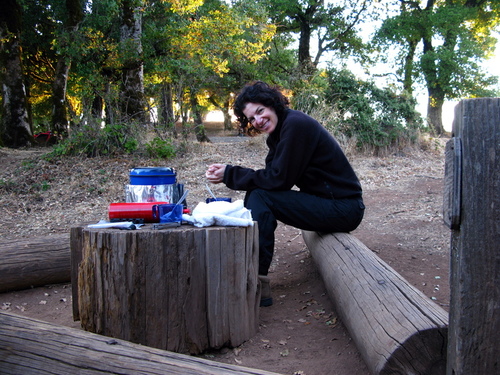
column 215, row 173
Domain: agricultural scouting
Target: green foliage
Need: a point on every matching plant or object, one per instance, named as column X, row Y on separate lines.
column 8, row 185
column 28, row 164
column 375, row 117
column 213, row 47
column 42, row 186
column 95, row 141
column 159, row 148
column 455, row 36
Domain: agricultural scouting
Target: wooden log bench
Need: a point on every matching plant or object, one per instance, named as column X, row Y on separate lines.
column 396, row 328
column 34, row 262
column 29, row 346
column 182, row 289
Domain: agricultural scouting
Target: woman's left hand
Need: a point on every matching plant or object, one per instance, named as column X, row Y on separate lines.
column 215, row 173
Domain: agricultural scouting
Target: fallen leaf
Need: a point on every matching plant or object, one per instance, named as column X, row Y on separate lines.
column 6, row 306
column 332, row 322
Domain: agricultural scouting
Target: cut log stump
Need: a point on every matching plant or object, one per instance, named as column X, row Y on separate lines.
column 29, row 346
column 183, row 289
column 34, row 262
column 396, row 328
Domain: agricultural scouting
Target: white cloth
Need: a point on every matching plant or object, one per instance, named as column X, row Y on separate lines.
column 220, row 213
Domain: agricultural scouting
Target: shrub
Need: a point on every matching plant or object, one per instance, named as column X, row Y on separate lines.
column 94, row 141
column 375, row 117
column 159, row 148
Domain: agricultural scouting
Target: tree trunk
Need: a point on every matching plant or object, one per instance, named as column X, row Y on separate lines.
column 59, row 112
column 199, row 129
column 167, row 117
column 436, row 94
column 97, row 107
column 15, row 130
column 228, row 124
column 435, row 77
column 110, row 107
column 132, row 100
column 435, row 112
column 305, row 63
column 408, row 67
column 224, row 108
column 59, row 105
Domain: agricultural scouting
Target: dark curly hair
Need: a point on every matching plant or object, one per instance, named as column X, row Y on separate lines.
column 258, row 92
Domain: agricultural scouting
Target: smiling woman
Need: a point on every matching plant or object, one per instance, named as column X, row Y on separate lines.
column 301, row 154
column 262, row 118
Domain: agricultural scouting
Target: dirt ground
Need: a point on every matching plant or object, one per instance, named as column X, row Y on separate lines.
column 301, row 333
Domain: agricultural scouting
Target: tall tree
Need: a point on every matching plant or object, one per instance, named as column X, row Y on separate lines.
column 242, row 69
column 133, row 103
column 74, row 16
column 198, row 49
column 455, row 36
column 333, row 26
column 96, row 64
column 15, row 130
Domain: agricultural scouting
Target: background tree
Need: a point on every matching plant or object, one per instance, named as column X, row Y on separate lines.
column 242, row 69
column 39, row 59
column 455, row 36
column 204, row 46
column 332, row 25
column 72, row 17
column 132, row 100
column 102, row 65
column 15, row 129
column 376, row 118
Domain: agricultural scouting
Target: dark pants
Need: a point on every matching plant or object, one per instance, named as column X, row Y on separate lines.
column 300, row 210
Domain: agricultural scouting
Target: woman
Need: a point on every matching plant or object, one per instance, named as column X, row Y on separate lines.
column 302, row 154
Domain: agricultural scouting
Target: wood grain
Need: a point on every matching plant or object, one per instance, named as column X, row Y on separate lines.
column 475, row 244
column 29, row 346
column 34, row 262
column 396, row 328
column 185, row 289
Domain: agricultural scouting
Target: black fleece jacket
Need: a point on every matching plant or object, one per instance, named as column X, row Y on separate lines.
column 301, row 153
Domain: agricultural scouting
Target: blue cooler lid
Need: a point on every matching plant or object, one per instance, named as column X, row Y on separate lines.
column 152, row 176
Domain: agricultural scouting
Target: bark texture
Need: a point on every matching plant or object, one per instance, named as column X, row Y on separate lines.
column 15, row 129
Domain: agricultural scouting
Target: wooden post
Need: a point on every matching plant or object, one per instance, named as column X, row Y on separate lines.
column 185, row 289
column 396, row 328
column 34, row 262
column 474, row 344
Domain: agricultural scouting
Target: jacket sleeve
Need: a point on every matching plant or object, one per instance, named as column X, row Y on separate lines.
column 289, row 154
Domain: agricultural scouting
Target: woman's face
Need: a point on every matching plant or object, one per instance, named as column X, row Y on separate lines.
column 262, row 118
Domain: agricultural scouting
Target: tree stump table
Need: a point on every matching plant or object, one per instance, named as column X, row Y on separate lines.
column 182, row 289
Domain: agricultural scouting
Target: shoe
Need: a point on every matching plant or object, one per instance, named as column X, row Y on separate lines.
column 265, row 291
